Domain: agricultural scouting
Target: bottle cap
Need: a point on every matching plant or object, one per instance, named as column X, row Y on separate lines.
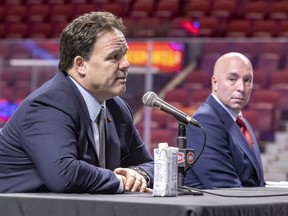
column 163, row 145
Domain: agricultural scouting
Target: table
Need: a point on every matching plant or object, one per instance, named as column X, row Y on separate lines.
column 266, row 201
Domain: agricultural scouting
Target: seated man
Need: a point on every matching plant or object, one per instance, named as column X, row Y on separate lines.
column 75, row 134
column 229, row 159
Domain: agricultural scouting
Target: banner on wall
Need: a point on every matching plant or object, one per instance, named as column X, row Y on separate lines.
column 166, row 56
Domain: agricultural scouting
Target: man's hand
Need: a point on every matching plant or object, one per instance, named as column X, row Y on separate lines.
column 133, row 181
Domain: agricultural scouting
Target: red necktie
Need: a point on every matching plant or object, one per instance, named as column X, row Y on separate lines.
column 245, row 131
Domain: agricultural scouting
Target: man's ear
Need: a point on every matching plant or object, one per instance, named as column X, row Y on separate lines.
column 80, row 65
column 214, row 83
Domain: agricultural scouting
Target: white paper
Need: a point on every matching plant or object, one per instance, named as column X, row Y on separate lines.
column 280, row 184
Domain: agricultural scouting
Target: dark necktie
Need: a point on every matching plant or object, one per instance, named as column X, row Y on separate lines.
column 101, row 129
column 245, row 131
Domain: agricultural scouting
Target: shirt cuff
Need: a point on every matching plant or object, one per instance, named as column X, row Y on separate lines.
column 121, row 187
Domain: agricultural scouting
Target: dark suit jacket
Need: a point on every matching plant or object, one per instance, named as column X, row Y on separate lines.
column 227, row 160
column 48, row 144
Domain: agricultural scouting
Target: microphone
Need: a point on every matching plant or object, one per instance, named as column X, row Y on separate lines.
column 152, row 100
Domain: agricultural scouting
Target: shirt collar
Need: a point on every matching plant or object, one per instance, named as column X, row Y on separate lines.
column 91, row 101
column 231, row 112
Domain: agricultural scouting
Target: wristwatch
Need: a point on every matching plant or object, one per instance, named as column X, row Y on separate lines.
column 140, row 171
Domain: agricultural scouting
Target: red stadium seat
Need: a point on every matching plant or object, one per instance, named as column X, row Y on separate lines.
column 15, row 13
column 279, row 10
column 2, row 30
column 266, row 103
column 224, row 9
column 148, row 27
column 61, row 12
column 209, row 27
column 197, row 9
column 58, row 28
column 197, row 79
column 125, row 4
column 261, row 80
column 211, row 47
column 16, row 30
column 158, row 120
column 279, row 48
column 256, row 10
column 283, row 29
column 167, row 9
column 78, row 2
column 198, row 97
column 250, row 49
column 40, row 30
column 279, row 82
column 264, row 28
column 253, row 118
column 268, row 63
column 2, row 13
column 84, row 8
column 38, row 13
column 142, row 9
column 99, row 2
column 54, row 2
column 238, row 28
column 175, row 28
column 178, row 95
column 115, row 8
column 130, row 24
column 207, row 62
column 11, row 2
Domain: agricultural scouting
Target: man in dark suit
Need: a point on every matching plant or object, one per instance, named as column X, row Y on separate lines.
column 227, row 160
column 52, row 142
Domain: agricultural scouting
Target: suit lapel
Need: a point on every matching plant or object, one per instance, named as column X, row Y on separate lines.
column 238, row 138
column 83, row 112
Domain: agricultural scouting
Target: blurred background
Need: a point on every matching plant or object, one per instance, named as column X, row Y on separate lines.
column 173, row 47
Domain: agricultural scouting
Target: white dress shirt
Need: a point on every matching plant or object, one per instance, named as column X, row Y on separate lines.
column 94, row 106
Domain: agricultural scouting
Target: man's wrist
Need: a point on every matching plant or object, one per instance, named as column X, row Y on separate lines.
column 140, row 171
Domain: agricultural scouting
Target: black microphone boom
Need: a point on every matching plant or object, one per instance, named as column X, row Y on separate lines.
column 152, row 100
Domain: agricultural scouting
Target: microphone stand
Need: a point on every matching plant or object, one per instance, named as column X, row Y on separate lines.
column 185, row 160
column 181, row 143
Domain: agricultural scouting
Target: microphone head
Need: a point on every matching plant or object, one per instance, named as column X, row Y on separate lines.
column 149, row 98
